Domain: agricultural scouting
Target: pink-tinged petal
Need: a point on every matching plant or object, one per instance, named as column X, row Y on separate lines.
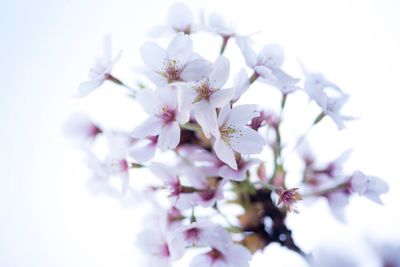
column 180, row 17
column 143, row 151
column 220, row 73
column 248, row 52
column 265, row 73
column 186, row 201
column 180, row 48
column 241, row 115
column 150, row 127
column 224, row 114
column 248, row 141
column 337, row 118
column 169, row 136
column 163, row 172
column 153, row 56
column 221, row 97
column 196, row 70
column 225, row 153
column 271, row 55
column 358, row 182
column 337, row 202
column 87, row 87
column 149, row 101
column 231, row 174
column 206, row 117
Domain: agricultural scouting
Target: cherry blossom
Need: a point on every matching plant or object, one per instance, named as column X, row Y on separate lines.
column 180, row 19
column 101, row 71
column 207, row 95
column 234, row 256
column 165, row 116
column 369, row 186
column 143, row 150
column 178, row 63
column 289, row 198
column 82, row 128
column 234, row 135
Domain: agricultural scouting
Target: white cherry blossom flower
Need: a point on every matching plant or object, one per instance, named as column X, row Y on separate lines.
column 216, row 23
column 180, row 19
column 207, row 95
column 234, row 135
column 155, row 245
column 165, row 116
column 200, row 233
column 101, row 71
column 178, row 63
column 369, row 186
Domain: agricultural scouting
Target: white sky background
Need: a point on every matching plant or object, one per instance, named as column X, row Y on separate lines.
column 47, row 216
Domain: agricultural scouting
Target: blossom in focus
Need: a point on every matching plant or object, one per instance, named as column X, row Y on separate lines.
column 178, row 63
column 234, row 135
column 369, row 186
column 289, row 198
column 180, row 19
column 207, row 95
column 101, row 71
column 165, row 116
column 82, row 128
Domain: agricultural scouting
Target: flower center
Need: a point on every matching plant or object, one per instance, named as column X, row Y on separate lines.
column 203, row 91
column 167, row 115
column 192, row 234
column 172, row 70
column 227, row 133
column 215, row 255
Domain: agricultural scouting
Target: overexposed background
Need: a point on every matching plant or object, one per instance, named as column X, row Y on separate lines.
column 47, row 215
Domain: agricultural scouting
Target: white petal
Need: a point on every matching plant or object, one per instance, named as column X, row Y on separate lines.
column 149, row 101
column 265, row 73
column 168, row 96
column 153, row 56
column 143, row 151
column 206, row 117
column 223, row 114
column 225, row 153
column 220, row 73
column 87, row 87
column 359, row 182
column 196, row 70
column 248, row 52
column 169, row 136
column 271, row 55
column 239, row 255
column 248, row 141
column 180, row 16
column 201, row 260
column 231, row 174
column 221, row 97
column 241, row 115
column 241, row 83
column 163, row 172
column 150, row 127
column 180, row 48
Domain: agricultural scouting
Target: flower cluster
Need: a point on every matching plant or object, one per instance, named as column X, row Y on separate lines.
column 219, row 150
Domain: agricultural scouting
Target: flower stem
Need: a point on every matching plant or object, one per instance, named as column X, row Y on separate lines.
column 225, row 40
column 119, row 82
